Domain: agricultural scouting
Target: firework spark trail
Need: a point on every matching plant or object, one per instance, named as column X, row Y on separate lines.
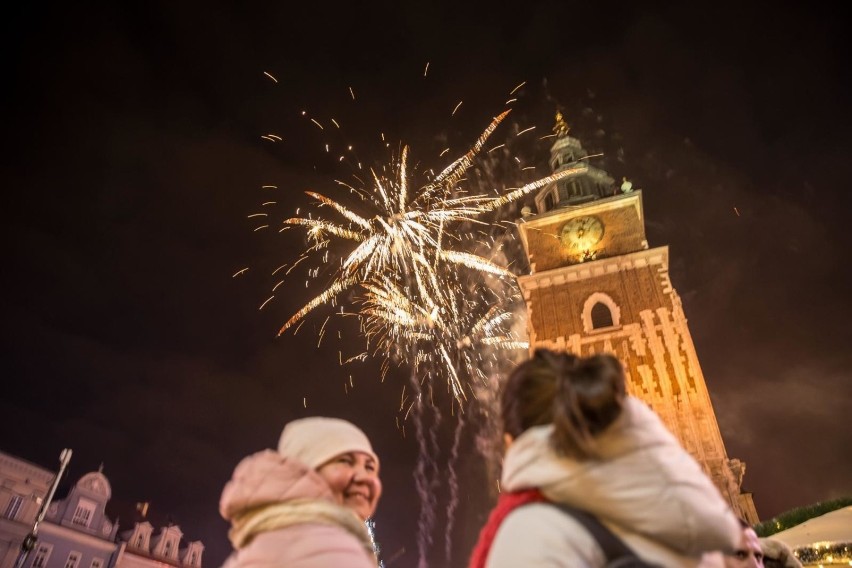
column 453, row 340
column 453, row 482
column 434, row 450
column 447, row 179
column 488, row 433
column 424, row 479
column 426, row 518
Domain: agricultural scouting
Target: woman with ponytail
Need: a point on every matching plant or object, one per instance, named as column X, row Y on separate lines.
column 586, row 463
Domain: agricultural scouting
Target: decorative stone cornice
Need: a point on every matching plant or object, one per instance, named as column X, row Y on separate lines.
column 658, row 256
column 28, row 469
column 73, row 535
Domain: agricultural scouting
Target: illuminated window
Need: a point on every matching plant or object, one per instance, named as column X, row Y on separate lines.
column 14, row 507
column 601, row 316
column 41, row 555
column 73, row 560
column 84, row 513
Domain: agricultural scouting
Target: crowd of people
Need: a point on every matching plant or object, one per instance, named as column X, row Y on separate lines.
column 591, row 478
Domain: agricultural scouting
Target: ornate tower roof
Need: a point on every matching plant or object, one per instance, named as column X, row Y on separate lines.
column 565, row 153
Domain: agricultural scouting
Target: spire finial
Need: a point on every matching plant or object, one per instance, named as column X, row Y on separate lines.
column 561, row 128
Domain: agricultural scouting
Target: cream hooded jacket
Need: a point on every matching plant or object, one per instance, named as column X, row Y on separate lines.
column 643, row 486
column 283, row 516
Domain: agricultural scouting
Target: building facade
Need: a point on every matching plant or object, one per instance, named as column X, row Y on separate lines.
column 23, row 488
column 596, row 286
column 76, row 531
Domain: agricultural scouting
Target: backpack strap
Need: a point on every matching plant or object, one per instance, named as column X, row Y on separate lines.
column 613, row 548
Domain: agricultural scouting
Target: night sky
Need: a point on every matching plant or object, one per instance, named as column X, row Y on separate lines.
column 132, row 157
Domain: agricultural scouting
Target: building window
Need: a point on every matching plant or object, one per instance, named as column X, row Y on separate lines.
column 549, row 202
column 41, row 555
column 73, row 560
column 97, row 563
column 167, row 549
column 84, row 513
column 600, row 313
column 193, row 559
column 14, row 507
column 601, row 316
column 139, row 541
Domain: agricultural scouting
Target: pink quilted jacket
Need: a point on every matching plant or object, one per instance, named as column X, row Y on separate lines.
column 267, row 477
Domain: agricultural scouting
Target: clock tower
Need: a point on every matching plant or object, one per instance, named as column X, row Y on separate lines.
column 596, row 286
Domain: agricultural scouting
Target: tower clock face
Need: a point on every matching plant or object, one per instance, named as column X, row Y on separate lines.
column 582, row 233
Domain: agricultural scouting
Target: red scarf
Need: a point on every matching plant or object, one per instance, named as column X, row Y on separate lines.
column 507, row 503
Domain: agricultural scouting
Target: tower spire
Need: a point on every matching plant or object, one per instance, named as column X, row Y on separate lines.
column 567, row 152
column 561, row 127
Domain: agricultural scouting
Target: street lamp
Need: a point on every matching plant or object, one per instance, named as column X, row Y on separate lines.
column 31, row 539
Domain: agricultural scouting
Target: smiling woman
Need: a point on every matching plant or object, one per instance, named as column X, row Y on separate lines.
column 342, row 455
column 304, row 506
column 354, row 479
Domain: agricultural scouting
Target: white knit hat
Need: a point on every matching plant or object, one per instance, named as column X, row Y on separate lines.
column 317, row 439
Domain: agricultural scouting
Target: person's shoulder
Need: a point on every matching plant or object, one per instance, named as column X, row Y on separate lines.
column 540, row 534
column 308, row 545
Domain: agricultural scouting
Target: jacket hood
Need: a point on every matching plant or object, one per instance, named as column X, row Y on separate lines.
column 267, row 477
column 532, row 462
column 642, row 480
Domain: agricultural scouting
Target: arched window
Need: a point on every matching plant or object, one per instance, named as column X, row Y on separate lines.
column 601, row 316
column 600, row 312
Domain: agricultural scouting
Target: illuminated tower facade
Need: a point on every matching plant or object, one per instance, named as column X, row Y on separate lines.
column 595, row 286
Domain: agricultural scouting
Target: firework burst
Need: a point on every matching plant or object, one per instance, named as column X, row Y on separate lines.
column 412, row 266
column 454, row 340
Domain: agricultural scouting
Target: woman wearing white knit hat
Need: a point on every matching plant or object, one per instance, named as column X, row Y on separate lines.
column 304, row 506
